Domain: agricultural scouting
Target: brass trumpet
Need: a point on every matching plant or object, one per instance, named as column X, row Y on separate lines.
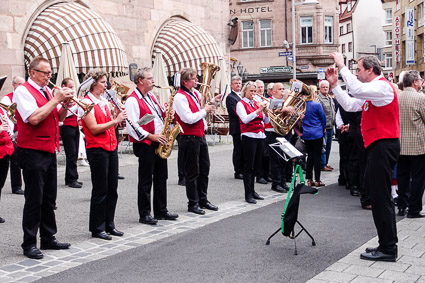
column 86, row 107
column 10, row 111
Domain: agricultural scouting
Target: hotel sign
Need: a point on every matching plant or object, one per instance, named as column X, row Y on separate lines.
column 251, row 10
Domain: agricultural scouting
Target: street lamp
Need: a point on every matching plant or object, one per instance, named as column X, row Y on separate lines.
column 294, row 53
column 240, row 69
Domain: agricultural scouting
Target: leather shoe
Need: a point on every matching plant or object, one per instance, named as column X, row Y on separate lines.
column 209, row 206
column 261, row 181
column 367, row 207
column 196, row 209
column 401, row 212
column 250, row 200
column 167, row 216
column 354, row 193
column 75, row 184
column 255, row 195
column 1, row 220
column 415, row 215
column 115, row 232
column 120, row 177
column 370, row 250
column 33, row 253
column 239, row 176
column 378, row 256
column 326, row 169
column 279, row 189
column 182, row 182
column 148, row 219
column 54, row 245
column 18, row 191
column 101, row 235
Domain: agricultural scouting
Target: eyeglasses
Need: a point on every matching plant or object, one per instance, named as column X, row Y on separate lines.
column 44, row 72
column 149, row 79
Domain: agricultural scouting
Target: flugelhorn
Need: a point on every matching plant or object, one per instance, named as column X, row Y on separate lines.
column 86, row 107
column 10, row 110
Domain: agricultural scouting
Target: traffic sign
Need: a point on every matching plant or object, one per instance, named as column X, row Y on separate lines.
column 287, row 53
column 290, row 58
column 321, row 70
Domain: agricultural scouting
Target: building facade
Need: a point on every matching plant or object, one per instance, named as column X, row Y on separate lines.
column 262, row 26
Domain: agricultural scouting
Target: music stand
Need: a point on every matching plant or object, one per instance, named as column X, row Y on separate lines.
column 290, row 211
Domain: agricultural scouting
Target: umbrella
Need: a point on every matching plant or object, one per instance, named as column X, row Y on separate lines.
column 160, row 78
column 67, row 66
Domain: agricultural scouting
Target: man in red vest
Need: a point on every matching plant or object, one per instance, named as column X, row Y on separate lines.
column 377, row 99
column 15, row 171
column 38, row 122
column 190, row 114
column 152, row 168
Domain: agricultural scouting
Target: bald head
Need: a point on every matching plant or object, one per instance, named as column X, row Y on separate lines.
column 278, row 89
column 17, row 81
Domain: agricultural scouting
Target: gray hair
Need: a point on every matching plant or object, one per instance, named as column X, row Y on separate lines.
column 235, row 78
column 409, row 77
column 270, row 85
column 322, row 82
column 371, row 62
column 140, row 74
column 259, row 82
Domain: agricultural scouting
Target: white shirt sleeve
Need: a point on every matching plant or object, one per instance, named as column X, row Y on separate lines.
column 338, row 119
column 181, row 106
column 26, row 104
column 6, row 100
column 133, row 112
column 350, row 104
column 246, row 118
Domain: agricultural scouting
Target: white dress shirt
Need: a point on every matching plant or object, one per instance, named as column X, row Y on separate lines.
column 102, row 102
column 181, row 106
column 246, row 118
column 378, row 92
column 133, row 112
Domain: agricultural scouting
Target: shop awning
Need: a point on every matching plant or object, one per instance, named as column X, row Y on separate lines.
column 93, row 42
column 185, row 44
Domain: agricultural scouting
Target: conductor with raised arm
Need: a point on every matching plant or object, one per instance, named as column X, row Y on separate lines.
column 377, row 99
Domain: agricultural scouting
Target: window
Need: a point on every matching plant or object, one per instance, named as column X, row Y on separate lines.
column 350, row 47
column 341, row 30
column 328, row 29
column 388, row 38
column 421, row 14
column 248, row 34
column 388, row 16
column 265, row 33
column 349, row 27
column 343, row 48
column 306, row 24
column 388, row 60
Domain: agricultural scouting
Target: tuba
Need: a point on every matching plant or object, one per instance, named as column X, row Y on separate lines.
column 284, row 122
column 164, row 151
column 10, row 111
column 121, row 90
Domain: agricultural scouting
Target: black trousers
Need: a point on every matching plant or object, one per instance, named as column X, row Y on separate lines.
column 196, row 168
column 277, row 165
column 382, row 156
column 344, row 153
column 152, row 169
column 4, row 167
column 253, row 152
column 237, row 156
column 104, row 196
column 15, row 171
column 40, row 176
column 314, row 153
column 71, row 139
column 180, row 161
column 411, row 182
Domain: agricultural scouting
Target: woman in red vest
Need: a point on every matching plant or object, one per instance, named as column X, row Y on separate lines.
column 101, row 145
column 251, row 118
column 6, row 150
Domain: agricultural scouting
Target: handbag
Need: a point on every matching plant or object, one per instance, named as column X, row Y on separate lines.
column 300, row 145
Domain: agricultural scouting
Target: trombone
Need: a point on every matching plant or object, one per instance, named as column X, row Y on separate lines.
column 86, row 107
column 10, row 110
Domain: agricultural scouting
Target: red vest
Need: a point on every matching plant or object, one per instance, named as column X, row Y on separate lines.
column 269, row 124
column 45, row 135
column 256, row 125
column 196, row 129
column 380, row 122
column 144, row 109
column 106, row 140
column 6, row 145
column 71, row 121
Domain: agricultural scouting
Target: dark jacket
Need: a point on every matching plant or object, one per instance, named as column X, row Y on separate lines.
column 231, row 101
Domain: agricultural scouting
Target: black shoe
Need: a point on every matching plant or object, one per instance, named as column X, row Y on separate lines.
column 250, row 200
column 255, row 195
column 415, row 215
column 148, row 219
column 354, row 193
column 268, row 179
column 120, row 177
column 1, row 220
column 239, row 176
column 54, row 244
column 208, row 205
column 279, row 189
column 371, row 250
column 101, row 235
column 167, row 216
column 182, row 182
column 285, row 186
column 378, row 256
column 261, row 181
column 75, row 184
column 18, row 191
column 33, row 253
column 115, row 232
column 401, row 212
column 196, row 209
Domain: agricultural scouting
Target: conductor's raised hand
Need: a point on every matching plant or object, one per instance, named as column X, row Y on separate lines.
column 339, row 59
column 332, row 76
